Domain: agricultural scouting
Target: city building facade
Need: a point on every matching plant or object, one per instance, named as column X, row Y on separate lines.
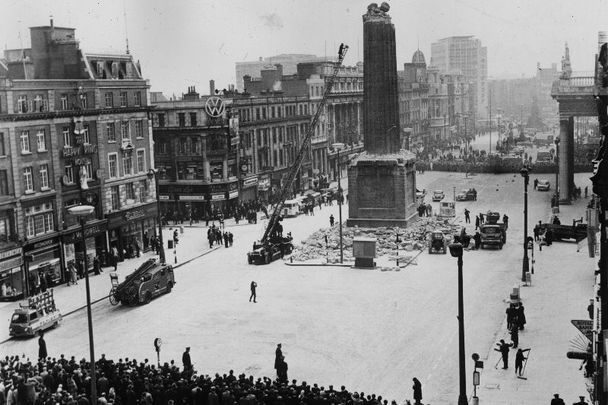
column 467, row 55
column 73, row 130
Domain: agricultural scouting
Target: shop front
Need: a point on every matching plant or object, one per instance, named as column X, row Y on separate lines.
column 11, row 275
column 130, row 231
column 249, row 187
column 264, row 187
column 94, row 236
column 43, row 259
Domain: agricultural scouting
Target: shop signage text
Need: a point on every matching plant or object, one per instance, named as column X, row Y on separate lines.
column 88, row 232
column 9, row 253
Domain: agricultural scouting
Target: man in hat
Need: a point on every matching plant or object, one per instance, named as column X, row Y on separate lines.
column 581, row 402
column 503, row 348
column 42, row 353
column 278, row 354
column 253, row 295
column 557, row 400
column 186, row 360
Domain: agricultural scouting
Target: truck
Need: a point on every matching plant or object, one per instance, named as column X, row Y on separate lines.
column 275, row 248
column 493, row 232
column 39, row 314
column 148, row 281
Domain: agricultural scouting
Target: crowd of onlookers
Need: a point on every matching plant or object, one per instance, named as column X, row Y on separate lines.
column 127, row 381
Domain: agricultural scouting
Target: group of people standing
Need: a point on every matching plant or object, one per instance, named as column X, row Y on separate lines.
column 215, row 235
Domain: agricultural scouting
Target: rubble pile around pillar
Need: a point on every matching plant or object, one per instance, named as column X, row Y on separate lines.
column 412, row 239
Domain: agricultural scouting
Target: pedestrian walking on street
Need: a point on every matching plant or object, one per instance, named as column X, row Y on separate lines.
column 520, row 316
column 581, row 402
column 515, row 335
column 535, row 183
column 226, row 239
column 467, row 216
column 253, row 295
column 278, row 354
column 505, row 220
column 230, row 238
column 417, row 388
column 476, row 221
column 519, row 360
column 331, row 220
column 503, row 348
column 42, row 353
column 557, row 400
column 511, row 314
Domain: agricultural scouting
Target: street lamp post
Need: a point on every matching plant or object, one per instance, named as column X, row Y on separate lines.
column 557, row 172
column 456, row 250
column 153, row 174
column 81, row 212
column 526, row 263
column 340, row 208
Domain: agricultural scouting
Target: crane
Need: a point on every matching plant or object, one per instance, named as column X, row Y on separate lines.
column 287, row 186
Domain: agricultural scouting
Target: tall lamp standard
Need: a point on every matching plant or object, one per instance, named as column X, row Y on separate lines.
column 153, row 174
column 526, row 263
column 456, row 251
column 340, row 198
column 81, row 212
column 557, row 172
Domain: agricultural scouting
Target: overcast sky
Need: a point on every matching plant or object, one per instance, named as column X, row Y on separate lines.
column 187, row 42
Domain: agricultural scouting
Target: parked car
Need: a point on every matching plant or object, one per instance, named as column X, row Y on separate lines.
column 467, row 195
column 438, row 195
column 543, row 185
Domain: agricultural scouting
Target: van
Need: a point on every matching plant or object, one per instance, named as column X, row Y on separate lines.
column 291, row 208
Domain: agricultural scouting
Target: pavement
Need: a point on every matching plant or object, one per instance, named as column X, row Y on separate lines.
column 192, row 244
column 562, row 284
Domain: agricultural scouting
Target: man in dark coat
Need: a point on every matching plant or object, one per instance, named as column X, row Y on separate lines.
column 42, row 353
column 514, row 335
column 511, row 314
column 278, row 354
column 557, row 400
column 417, row 387
column 186, row 360
column 467, row 216
column 476, row 221
column 503, row 348
column 520, row 316
column 282, row 370
column 253, row 294
column 519, row 360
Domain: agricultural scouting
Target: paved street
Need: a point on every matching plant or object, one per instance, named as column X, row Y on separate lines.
column 366, row 329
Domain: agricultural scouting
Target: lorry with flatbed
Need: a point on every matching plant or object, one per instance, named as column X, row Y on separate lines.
column 493, row 232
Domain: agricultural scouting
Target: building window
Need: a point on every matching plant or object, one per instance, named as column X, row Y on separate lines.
column 64, row 101
column 263, row 113
column 3, row 182
column 41, row 140
column 28, row 180
column 115, row 198
column 192, row 119
column 139, row 129
column 141, row 161
column 110, row 132
column 44, row 177
column 25, row 141
column 124, row 131
column 83, row 101
column 113, row 165
column 69, row 174
column 137, row 97
column 109, row 100
column 86, row 138
column 161, row 120
column 39, row 220
column 127, row 165
column 123, row 98
column 65, row 132
column 38, row 103
column 130, row 191
column 22, row 104
column 2, row 149
column 143, row 190
column 181, row 117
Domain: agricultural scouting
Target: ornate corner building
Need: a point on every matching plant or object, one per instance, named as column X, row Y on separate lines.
column 74, row 129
